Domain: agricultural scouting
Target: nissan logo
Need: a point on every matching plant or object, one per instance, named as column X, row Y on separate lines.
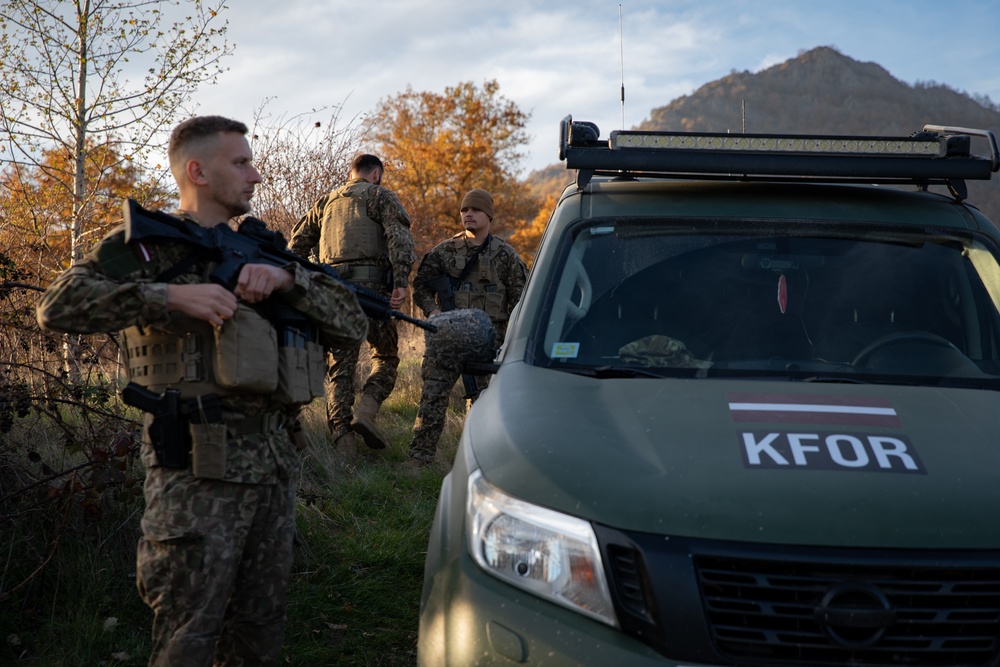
column 854, row 615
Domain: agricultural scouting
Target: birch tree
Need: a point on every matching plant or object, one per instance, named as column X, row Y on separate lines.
column 110, row 73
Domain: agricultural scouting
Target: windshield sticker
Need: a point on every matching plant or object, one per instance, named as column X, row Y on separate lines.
column 806, row 448
column 838, row 410
column 565, row 350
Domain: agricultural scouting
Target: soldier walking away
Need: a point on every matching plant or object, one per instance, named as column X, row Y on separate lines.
column 472, row 270
column 222, row 392
column 363, row 231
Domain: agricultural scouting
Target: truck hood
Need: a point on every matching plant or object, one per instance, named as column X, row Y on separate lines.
column 761, row 461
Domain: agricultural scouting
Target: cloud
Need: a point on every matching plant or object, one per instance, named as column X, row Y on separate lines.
column 559, row 57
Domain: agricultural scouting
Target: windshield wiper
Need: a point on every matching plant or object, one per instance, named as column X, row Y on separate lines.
column 608, row 371
column 833, row 379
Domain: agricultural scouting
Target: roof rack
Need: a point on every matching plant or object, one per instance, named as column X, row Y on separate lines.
column 936, row 155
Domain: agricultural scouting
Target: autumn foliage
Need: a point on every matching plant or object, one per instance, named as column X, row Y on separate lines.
column 36, row 206
column 438, row 146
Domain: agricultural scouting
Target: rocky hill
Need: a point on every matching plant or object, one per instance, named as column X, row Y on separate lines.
column 821, row 92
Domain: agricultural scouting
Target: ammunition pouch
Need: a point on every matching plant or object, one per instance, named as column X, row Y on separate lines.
column 240, row 357
column 301, row 372
column 243, row 356
column 301, row 367
column 209, row 449
column 484, row 297
column 246, row 353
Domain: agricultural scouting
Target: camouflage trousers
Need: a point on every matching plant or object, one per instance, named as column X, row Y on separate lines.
column 383, row 340
column 213, row 564
column 438, row 382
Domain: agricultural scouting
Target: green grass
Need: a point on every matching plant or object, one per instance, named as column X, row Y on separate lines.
column 81, row 608
column 354, row 594
column 359, row 567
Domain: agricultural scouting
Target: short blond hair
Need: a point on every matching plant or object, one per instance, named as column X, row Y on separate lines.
column 194, row 131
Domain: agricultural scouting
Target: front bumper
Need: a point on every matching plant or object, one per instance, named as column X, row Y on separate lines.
column 471, row 618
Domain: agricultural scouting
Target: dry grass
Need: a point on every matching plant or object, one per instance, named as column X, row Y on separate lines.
column 363, row 530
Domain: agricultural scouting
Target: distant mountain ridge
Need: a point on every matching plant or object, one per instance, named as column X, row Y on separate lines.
column 820, row 92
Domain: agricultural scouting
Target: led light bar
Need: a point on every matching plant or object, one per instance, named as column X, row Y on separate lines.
column 937, row 147
column 935, row 155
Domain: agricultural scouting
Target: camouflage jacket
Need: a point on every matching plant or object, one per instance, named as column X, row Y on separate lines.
column 450, row 257
column 385, row 208
column 114, row 288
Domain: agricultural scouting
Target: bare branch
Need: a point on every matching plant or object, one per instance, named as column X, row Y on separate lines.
column 109, row 70
column 300, row 158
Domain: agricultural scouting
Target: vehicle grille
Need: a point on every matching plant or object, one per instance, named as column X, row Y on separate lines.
column 833, row 612
column 734, row 603
column 628, row 580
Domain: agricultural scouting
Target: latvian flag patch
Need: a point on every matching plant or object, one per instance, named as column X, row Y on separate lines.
column 832, row 410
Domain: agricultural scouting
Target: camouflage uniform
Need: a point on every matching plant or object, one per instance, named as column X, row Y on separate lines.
column 385, row 208
column 477, row 291
column 660, row 352
column 215, row 554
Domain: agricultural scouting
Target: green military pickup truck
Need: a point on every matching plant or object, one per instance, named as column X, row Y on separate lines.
column 746, row 413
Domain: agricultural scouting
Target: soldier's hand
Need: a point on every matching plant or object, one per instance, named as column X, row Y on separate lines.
column 397, row 297
column 259, row 281
column 209, row 302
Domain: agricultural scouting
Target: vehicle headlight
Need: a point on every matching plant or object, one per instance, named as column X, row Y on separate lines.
column 550, row 554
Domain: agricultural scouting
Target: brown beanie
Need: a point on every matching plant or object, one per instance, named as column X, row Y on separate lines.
column 478, row 198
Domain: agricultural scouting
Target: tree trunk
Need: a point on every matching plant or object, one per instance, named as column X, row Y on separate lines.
column 71, row 349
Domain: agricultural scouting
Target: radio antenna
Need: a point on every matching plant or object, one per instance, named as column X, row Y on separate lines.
column 621, row 58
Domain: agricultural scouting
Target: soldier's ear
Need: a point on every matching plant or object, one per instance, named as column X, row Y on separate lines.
column 195, row 172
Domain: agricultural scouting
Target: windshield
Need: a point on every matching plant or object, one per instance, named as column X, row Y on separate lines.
column 843, row 303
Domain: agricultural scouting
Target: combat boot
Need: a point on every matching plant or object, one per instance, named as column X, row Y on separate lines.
column 364, row 422
column 345, row 441
column 417, row 462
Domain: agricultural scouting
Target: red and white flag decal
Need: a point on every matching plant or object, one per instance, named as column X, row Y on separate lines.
column 833, row 410
column 782, row 294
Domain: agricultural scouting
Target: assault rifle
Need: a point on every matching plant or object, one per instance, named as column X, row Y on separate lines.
column 254, row 243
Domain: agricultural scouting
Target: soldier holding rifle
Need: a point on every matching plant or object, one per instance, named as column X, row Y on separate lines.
column 222, row 376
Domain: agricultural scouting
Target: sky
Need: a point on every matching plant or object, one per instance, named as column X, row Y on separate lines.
column 555, row 58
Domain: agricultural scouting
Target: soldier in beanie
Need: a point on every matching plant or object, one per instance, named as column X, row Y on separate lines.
column 472, row 269
column 362, row 230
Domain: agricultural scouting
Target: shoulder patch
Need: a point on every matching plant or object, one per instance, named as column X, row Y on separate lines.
column 118, row 259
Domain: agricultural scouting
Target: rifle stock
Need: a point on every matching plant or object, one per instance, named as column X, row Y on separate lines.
column 254, row 243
